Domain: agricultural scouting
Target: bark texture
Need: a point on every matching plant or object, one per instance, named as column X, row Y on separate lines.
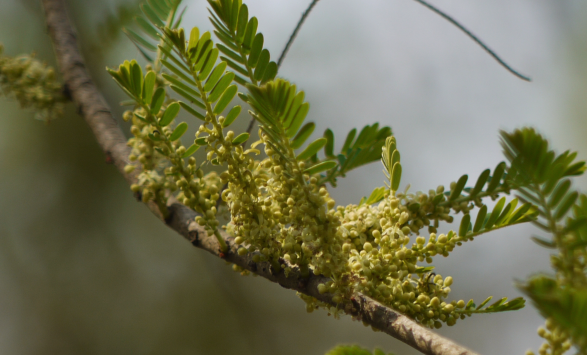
column 93, row 108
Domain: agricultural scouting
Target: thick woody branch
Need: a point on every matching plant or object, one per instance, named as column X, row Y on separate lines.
column 94, row 109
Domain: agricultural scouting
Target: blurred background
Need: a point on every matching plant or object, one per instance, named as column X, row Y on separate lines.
column 85, row 269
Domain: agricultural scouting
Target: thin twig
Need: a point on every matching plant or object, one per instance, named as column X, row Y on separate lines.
column 295, row 32
column 474, row 38
column 286, row 49
column 97, row 114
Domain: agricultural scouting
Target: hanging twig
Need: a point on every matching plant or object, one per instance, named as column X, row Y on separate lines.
column 295, row 32
column 474, row 38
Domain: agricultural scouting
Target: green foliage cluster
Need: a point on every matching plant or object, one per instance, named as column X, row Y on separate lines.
column 280, row 208
column 354, row 350
column 33, row 84
column 542, row 177
column 279, row 205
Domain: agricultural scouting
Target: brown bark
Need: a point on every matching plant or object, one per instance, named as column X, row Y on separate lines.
column 94, row 109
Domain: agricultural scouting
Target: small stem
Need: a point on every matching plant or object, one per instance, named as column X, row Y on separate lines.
column 474, row 38
column 470, row 198
column 221, row 241
column 295, row 32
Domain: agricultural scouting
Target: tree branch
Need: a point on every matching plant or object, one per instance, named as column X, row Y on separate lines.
column 94, row 109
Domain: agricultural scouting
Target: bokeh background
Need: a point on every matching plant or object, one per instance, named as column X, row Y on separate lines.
column 85, row 269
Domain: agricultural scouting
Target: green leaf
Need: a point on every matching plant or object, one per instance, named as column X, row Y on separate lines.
column 139, row 41
column 157, row 101
column 235, row 66
column 270, row 72
column 136, row 79
column 566, row 205
column 157, row 8
column 484, row 302
column 543, row 242
column 192, row 111
column 495, row 213
column 465, row 223
column 262, row 64
column 256, row 49
column 180, row 65
column 241, row 138
column 149, row 85
column 503, row 217
column 191, row 150
column 232, row 115
column 192, row 99
column 329, row 147
column 559, row 193
column 201, row 49
column 460, row 185
column 303, row 135
column 214, row 76
column 147, row 27
column 423, row 269
column 311, row 149
column 140, row 117
column 376, row 195
column 250, row 33
column 481, row 181
column 298, row 120
column 396, row 176
column 208, row 64
column 225, row 99
column 178, row 131
column 151, row 15
column 178, row 72
column 320, row 167
column 496, row 178
column 220, row 87
column 480, row 219
column 230, row 53
column 194, row 38
column 239, row 80
column 201, row 141
column 349, row 140
column 169, row 114
column 175, row 81
column 243, row 17
column 519, row 213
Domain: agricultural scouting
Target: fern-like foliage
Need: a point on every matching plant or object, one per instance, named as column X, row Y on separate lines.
column 279, row 206
column 542, row 177
column 198, row 78
column 280, row 110
column 566, row 307
column 356, row 150
column 156, row 14
column 501, row 305
column 242, row 46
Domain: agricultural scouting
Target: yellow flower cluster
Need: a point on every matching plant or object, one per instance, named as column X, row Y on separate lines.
column 557, row 341
column 33, row 84
column 384, row 266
